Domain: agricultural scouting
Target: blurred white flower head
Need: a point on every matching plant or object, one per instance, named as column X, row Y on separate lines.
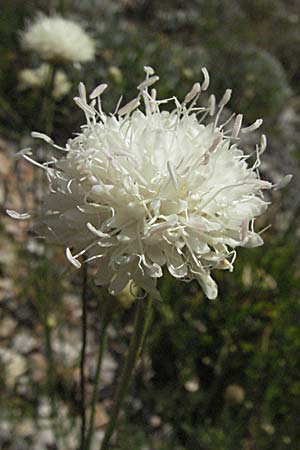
column 58, row 40
column 145, row 188
column 38, row 78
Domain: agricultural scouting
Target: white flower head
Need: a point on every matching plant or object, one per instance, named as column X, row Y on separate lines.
column 145, row 188
column 38, row 78
column 59, row 40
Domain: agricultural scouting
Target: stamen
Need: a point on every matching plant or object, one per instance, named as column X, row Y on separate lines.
column 92, row 258
column 225, row 99
column 205, row 83
column 129, row 107
column 263, row 144
column 192, row 93
column 82, row 91
column 263, row 185
column 25, row 151
column 147, row 83
column 283, row 183
column 149, row 70
column 35, row 163
column 212, row 105
column 98, row 91
column 44, row 137
column 69, row 186
column 72, row 260
column 84, row 106
column 227, row 121
column 96, row 232
column 237, row 126
column 16, row 215
column 265, row 229
column 153, row 105
column 253, row 127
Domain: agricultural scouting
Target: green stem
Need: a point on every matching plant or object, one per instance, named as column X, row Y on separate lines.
column 83, row 355
column 48, row 107
column 62, row 6
column 141, row 322
column 51, row 381
column 45, row 122
column 102, row 347
column 51, row 378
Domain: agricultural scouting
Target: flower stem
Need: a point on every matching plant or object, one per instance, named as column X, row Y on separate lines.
column 102, row 346
column 83, row 356
column 141, row 322
column 52, row 382
column 49, row 105
column 45, row 118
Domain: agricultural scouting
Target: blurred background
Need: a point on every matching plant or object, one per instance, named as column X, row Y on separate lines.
column 221, row 375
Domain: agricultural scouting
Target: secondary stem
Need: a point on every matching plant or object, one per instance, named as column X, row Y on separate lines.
column 49, row 104
column 45, row 122
column 51, row 372
column 102, row 346
column 141, row 322
column 83, row 356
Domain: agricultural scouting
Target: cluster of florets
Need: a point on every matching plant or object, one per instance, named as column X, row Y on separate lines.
column 144, row 188
column 39, row 77
column 58, row 40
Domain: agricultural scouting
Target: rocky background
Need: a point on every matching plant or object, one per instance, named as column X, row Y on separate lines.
column 222, row 375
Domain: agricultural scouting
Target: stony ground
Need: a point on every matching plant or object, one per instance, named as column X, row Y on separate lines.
column 26, row 404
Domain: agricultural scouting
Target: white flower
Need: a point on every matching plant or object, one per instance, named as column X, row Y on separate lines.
column 57, row 39
column 37, row 78
column 145, row 188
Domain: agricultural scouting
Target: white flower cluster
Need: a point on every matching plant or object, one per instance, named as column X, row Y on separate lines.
column 37, row 78
column 58, row 40
column 146, row 188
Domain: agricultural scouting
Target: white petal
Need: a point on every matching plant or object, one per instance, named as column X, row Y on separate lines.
column 283, row 183
column 16, row 215
column 208, row 285
column 119, row 282
column 254, row 240
column 72, row 260
column 96, row 232
column 44, row 137
column 148, row 284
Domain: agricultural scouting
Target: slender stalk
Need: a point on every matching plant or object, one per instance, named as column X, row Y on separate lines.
column 45, row 120
column 44, row 314
column 51, row 375
column 141, row 322
column 83, row 356
column 62, row 6
column 102, row 346
column 48, row 107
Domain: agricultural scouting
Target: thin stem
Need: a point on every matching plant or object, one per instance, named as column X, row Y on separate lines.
column 83, row 356
column 62, row 6
column 51, row 376
column 48, row 104
column 141, row 322
column 50, row 101
column 51, row 371
column 102, row 346
column 45, row 120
